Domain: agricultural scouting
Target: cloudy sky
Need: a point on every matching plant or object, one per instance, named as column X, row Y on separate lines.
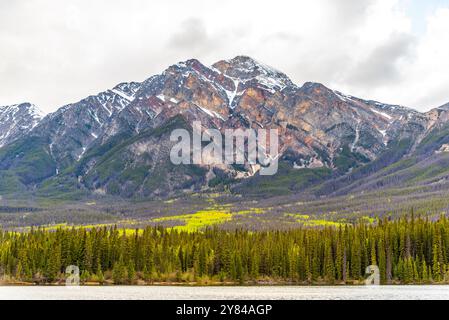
column 55, row 52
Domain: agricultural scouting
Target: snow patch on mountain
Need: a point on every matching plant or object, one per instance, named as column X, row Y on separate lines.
column 383, row 114
column 123, row 95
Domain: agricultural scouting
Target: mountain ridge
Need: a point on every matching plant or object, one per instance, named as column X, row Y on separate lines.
column 320, row 128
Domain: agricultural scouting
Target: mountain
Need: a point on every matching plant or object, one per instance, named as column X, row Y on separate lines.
column 18, row 120
column 117, row 142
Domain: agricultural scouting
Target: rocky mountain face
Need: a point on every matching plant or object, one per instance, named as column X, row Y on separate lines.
column 17, row 120
column 117, row 142
column 72, row 129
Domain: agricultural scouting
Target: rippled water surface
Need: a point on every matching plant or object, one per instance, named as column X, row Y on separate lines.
column 226, row 293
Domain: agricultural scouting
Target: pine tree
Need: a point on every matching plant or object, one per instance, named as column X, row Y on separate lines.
column 382, row 260
column 436, row 267
column 131, row 271
column 424, row 273
column 119, row 273
column 329, row 270
column 373, row 254
column 239, row 269
column 99, row 274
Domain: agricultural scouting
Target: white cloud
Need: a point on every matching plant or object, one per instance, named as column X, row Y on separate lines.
column 57, row 52
column 426, row 77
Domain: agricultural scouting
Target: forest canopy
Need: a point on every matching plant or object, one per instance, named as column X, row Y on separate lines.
column 407, row 250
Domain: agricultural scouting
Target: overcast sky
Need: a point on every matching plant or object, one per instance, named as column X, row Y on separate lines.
column 56, row 52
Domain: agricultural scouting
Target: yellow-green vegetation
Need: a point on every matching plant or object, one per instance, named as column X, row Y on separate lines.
column 369, row 220
column 198, row 220
column 250, row 211
column 228, row 215
column 300, row 217
column 206, row 218
column 306, row 220
column 323, row 223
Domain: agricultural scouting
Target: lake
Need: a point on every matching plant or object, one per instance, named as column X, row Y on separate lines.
column 225, row 293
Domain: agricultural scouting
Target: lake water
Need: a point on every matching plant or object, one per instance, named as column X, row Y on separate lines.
column 225, row 293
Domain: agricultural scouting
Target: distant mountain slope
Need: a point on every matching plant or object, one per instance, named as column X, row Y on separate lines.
column 18, row 120
column 421, row 163
column 117, row 142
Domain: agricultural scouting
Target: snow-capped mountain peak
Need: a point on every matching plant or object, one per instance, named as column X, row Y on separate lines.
column 247, row 69
column 17, row 120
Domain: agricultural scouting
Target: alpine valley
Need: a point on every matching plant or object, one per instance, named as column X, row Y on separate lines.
column 105, row 159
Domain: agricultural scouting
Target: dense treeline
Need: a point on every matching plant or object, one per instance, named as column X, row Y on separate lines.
column 409, row 250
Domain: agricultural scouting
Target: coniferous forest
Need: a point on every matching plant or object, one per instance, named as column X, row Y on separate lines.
column 407, row 251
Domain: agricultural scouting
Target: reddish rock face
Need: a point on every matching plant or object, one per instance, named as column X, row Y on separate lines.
column 315, row 122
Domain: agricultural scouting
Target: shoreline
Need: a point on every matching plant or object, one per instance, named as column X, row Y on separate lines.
column 216, row 284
